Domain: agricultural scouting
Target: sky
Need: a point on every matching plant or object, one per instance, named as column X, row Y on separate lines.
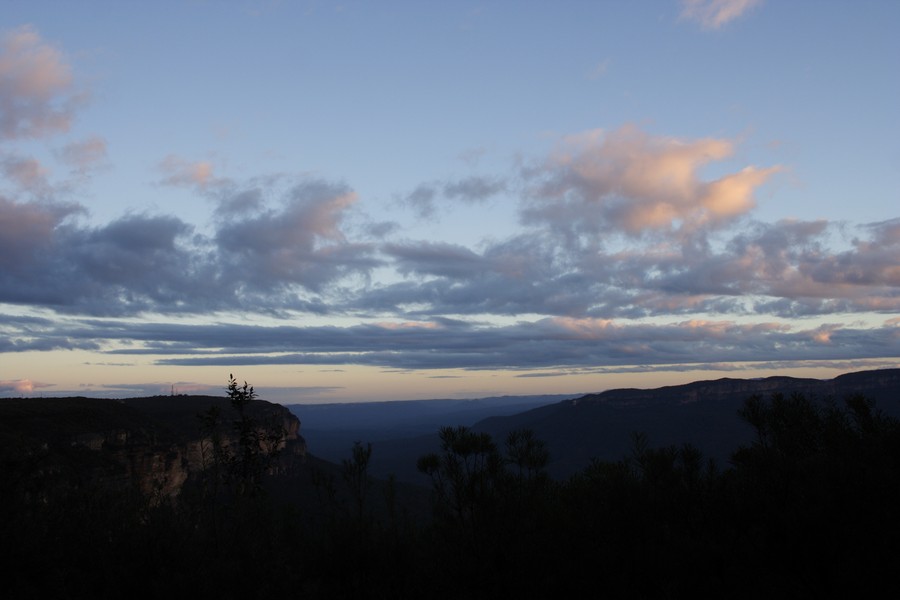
column 351, row 201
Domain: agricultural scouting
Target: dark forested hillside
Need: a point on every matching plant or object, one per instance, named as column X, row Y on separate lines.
column 702, row 413
column 576, row 430
column 805, row 506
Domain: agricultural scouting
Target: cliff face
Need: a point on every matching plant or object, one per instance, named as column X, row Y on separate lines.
column 153, row 444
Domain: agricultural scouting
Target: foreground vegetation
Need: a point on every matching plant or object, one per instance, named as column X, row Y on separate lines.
column 810, row 508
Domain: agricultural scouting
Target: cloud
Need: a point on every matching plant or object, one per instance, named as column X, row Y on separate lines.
column 264, row 260
column 546, row 343
column 85, row 155
column 790, row 260
column 26, row 231
column 231, row 198
column 128, row 250
column 293, row 254
column 31, row 178
column 714, row 14
column 474, row 189
column 380, row 229
column 422, row 200
column 20, row 386
column 470, row 190
column 572, row 339
column 37, row 92
column 240, row 202
column 303, row 243
column 525, row 274
column 732, row 195
column 837, row 365
column 618, row 226
column 26, row 173
column 133, row 264
column 630, row 182
column 427, row 258
column 183, row 173
column 23, row 333
column 784, row 269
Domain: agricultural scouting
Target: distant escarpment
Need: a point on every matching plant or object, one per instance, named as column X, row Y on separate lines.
column 877, row 385
column 155, row 445
column 702, row 413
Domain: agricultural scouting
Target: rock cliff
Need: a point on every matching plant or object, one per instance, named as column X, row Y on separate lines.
column 154, row 445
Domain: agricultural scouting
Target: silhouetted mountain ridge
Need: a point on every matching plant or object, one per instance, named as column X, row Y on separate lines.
column 702, row 413
column 875, row 384
column 576, row 429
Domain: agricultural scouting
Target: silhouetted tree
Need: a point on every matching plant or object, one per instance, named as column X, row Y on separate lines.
column 819, row 487
column 239, row 461
column 356, row 475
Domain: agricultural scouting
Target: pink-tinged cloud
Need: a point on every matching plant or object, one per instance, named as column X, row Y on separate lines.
column 791, row 261
column 180, row 172
column 82, row 156
column 713, row 14
column 407, row 325
column 823, row 333
column 20, row 386
column 732, row 195
column 583, row 328
column 872, row 263
column 37, row 94
column 27, row 173
column 630, row 181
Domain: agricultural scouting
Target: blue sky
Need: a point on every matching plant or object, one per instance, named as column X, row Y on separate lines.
column 350, row 201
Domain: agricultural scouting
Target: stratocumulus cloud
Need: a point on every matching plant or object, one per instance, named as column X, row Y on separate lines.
column 295, row 255
column 547, row 343
column 629, row 181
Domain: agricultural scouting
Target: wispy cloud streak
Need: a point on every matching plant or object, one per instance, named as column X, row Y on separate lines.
column 714, row 14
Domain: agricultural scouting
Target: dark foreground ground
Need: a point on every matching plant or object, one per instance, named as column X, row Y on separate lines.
column 808, row 508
